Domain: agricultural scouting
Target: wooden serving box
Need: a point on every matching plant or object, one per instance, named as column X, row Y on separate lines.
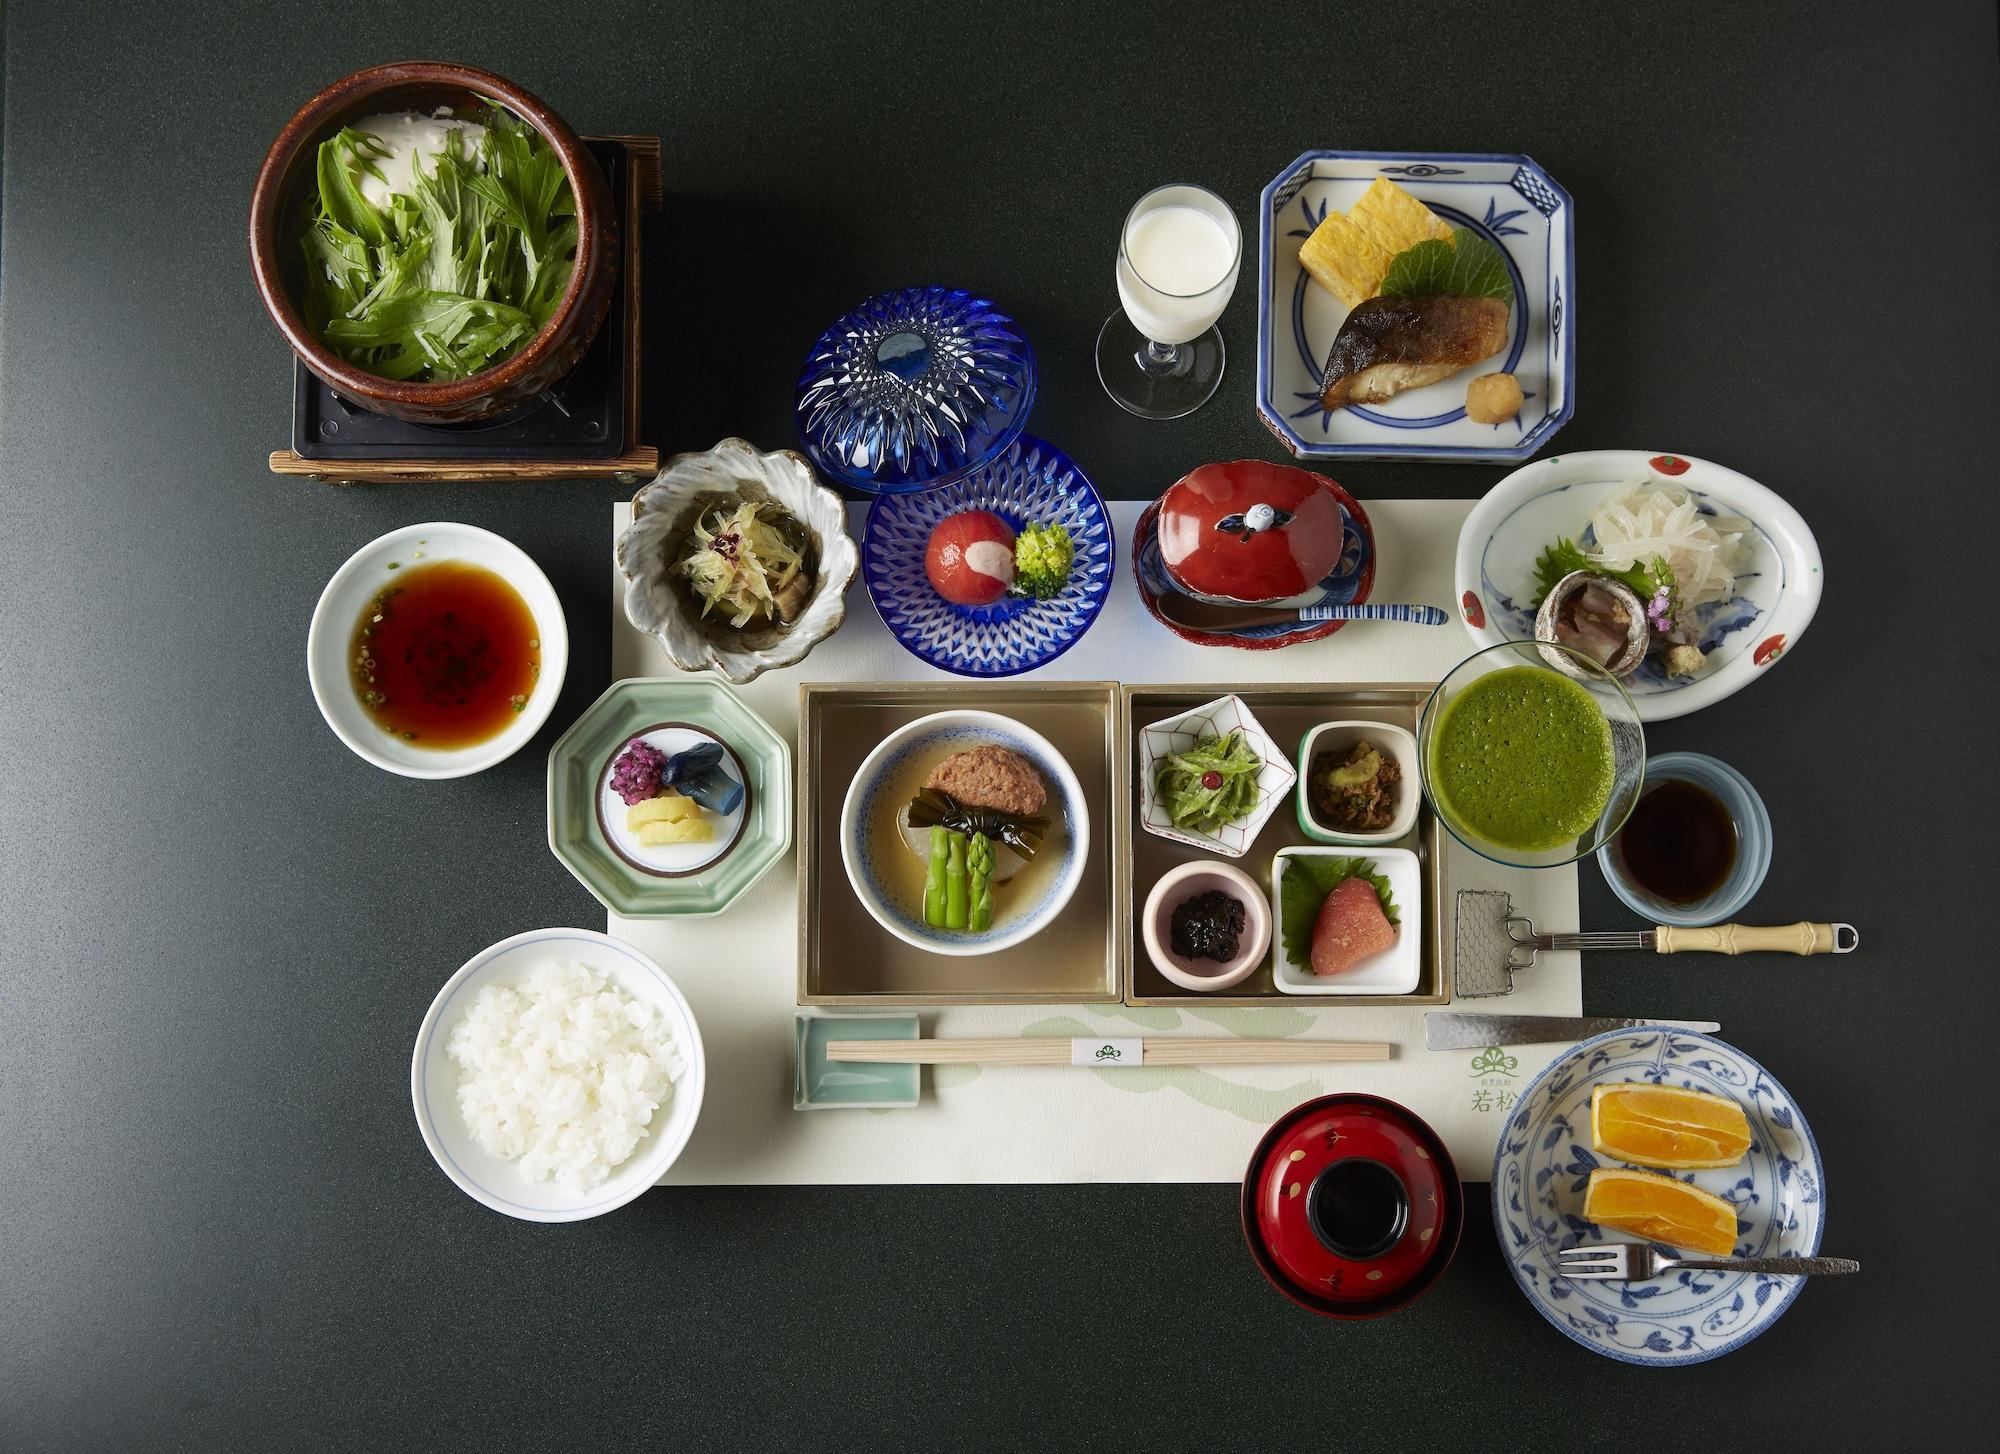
column 1288, row 712
column 846, row 958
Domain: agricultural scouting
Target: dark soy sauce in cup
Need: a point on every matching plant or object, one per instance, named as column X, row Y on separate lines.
column 1679, row 844
column 1358, row 1208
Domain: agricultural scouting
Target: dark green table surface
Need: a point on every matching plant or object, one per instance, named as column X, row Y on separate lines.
column 218, row 1226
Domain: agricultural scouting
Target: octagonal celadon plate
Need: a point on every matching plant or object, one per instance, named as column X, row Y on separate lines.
column 582, row 756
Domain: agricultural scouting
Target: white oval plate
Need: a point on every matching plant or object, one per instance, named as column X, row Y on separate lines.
column 498, row 1183
column 1777, row 591
column 1544, row 1162
column 357, row 582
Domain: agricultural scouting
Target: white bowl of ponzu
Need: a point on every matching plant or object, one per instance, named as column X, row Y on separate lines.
column 1527, row 765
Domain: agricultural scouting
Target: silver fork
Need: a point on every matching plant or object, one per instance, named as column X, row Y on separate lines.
column 1638, row 1262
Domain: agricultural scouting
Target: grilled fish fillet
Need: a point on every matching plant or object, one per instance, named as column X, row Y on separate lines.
column 1388, row 345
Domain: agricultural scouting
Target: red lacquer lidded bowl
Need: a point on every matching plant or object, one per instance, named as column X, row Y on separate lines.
column 1251, row 532
column 1352, row 1206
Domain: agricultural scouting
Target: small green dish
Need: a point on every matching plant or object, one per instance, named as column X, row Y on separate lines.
column 819, row 1084
column 582, row 757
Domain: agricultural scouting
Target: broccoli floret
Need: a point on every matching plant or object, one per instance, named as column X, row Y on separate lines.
column 1042, row 558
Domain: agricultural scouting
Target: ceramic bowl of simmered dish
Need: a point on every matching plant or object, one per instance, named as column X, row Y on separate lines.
column 437, row 650
column 520, row 316
column 737, row 560
column 913, row 818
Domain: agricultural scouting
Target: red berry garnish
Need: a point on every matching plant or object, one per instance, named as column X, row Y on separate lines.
column 1211, row 780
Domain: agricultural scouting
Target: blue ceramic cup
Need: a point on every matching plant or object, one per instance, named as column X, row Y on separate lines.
column 1753, row 844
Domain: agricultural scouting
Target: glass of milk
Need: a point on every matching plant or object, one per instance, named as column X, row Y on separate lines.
column 1160, row 356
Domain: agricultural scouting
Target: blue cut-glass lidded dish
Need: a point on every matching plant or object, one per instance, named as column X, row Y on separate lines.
column 914, row 389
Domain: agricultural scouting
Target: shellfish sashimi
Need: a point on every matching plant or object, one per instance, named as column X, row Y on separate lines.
column 1390, row 344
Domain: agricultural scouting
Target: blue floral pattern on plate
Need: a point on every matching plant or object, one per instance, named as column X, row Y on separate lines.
column 1032, row 482
column 1508, row 200
column 1778, row 571
column 1544, row 1161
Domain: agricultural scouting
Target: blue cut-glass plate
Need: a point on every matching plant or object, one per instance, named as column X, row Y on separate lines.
column 1032, row 482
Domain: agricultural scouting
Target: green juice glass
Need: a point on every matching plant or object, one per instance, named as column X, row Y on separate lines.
column 1531, row 754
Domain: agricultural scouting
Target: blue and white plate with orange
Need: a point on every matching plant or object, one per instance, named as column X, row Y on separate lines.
column 1542, row 1168
column 1506, row 199
column 1030, row 482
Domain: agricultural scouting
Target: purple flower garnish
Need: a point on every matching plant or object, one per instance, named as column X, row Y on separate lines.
column 1659, row 610
column 635, row 776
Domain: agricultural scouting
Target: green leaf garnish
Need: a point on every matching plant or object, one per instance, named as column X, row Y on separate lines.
column 1467, row 267
column 1565, row 556
column 1303, row 887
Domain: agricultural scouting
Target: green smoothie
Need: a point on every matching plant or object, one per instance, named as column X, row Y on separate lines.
column 1522, row 759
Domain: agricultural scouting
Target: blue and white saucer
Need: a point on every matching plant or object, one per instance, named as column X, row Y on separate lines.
column 1031, row 482
column 1542, row 1168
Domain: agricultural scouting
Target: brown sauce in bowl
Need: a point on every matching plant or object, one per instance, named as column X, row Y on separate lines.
column 445, row 656
column 1679, row 843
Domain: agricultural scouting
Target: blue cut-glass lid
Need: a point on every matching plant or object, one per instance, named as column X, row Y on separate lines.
column 914, row 389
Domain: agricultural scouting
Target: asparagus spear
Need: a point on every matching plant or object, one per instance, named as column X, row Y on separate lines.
column 979, row 867
column 934, row 878
column 957, row 896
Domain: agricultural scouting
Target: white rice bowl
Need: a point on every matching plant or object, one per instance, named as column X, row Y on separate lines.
column 558, row 1075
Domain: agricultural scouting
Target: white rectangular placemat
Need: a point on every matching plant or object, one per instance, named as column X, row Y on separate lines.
column 1005, row 1124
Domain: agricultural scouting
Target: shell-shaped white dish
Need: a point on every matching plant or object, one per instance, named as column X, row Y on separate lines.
column 660, row 511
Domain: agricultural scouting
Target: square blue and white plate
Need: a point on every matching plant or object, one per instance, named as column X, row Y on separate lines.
column 1508, row 200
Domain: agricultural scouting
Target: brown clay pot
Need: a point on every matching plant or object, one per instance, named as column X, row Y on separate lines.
column 424, row 85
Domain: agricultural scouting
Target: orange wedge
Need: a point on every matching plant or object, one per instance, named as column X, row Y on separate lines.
column 1659, row 1125
column 1661, row 1209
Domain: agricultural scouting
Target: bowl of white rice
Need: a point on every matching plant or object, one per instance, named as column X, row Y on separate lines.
column 558, row 1075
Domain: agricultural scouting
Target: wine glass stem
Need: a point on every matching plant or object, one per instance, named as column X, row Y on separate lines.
column 1160, row 358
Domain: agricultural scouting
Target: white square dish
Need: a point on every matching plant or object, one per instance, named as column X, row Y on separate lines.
column 1506, row 199
column 1395, row 970
column 1179, row 733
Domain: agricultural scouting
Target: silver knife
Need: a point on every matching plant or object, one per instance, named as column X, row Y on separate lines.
column 1474, row 1032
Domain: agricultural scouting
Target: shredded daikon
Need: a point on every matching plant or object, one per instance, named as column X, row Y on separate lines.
column 1644, row 522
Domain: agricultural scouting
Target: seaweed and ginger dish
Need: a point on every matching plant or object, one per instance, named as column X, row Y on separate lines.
column 750, row 563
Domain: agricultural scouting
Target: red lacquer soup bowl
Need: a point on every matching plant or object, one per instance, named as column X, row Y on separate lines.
column 1351, row 1206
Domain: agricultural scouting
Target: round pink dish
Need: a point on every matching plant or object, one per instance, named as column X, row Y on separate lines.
column 1176, row 887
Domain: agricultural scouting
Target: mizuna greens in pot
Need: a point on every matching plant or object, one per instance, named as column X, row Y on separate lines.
column 458, row 269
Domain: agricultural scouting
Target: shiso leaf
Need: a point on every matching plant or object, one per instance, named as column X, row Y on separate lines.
column 1468, row 267
column 1565, row 556
column 1307, row 880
